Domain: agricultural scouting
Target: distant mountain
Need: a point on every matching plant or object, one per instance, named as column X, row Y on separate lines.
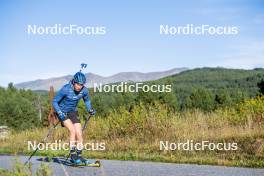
column 44, row 84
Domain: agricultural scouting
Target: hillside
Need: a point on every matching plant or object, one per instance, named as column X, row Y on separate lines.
column 44, row 84
column 217, row 78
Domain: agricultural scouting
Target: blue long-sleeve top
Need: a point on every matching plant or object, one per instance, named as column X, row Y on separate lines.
column 66, row 100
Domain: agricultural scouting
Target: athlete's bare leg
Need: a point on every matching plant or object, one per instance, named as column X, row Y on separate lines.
column 70, row 126
column 78, row 134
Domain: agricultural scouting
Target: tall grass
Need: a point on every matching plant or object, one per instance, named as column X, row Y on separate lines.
column 20, row 169
column 136, row 134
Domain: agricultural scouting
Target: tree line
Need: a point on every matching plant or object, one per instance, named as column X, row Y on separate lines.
column 206, row 89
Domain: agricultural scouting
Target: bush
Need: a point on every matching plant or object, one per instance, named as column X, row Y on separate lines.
column 249, row 111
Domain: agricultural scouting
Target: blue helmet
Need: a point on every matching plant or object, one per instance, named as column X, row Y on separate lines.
column 79, row 78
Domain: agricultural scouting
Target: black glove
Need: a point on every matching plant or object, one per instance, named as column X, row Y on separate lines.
column 61, row 116
column 92, row 112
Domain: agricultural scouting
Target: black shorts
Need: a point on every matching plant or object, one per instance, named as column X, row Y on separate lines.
column 73, row 116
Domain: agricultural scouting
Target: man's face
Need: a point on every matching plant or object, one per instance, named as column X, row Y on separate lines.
column 77, row 87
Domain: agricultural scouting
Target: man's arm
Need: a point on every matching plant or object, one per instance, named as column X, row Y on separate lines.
column 87, row 102
column 86, row 99
column 59, row 96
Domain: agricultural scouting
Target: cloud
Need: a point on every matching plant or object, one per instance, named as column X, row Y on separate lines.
column 259, row 19
column 221, row 13
column 246, row 56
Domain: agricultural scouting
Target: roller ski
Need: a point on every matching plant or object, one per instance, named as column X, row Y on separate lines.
column 77, row 163
column 80, row 161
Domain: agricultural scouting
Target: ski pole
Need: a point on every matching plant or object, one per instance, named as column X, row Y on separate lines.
column 86, row 122
column 84, row 126
column 44, row 141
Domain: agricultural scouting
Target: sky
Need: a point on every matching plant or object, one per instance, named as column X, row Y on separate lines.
column 132, row 41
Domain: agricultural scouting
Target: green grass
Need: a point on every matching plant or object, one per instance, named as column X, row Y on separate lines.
column 19, row 169
column 135, row 135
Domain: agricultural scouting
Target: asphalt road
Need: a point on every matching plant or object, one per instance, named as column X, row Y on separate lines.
column 133, row 168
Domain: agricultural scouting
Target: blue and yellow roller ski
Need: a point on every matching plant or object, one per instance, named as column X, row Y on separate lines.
column 84, row 162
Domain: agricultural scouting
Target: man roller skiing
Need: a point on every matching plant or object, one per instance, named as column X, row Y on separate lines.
column 65, row 104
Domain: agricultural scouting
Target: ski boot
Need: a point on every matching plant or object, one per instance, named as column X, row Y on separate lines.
column 75, row 159
column 85, row 161
column 88, row 163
